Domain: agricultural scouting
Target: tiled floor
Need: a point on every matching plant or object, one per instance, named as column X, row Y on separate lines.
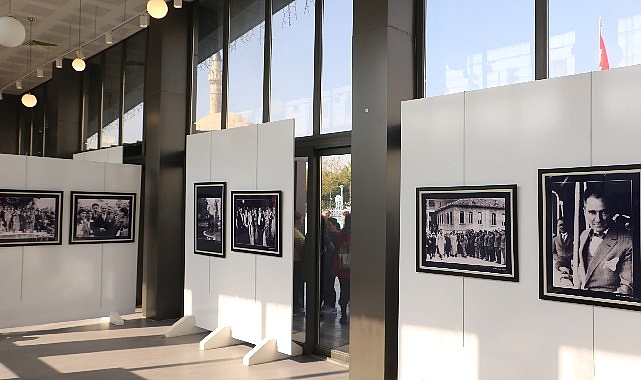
column 93, row 349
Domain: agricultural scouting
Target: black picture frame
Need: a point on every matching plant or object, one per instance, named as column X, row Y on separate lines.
column 210, row 218
column 266, row 238
column 589, row 235
column 30, row 217
column 472, row 217
column 102, row 217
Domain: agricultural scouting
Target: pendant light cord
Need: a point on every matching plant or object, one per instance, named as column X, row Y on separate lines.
column 79, row 18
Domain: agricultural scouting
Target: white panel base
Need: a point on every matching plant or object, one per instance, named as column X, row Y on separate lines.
column 221, row 337
column 115, row 319
column 267, row 351
column 184, row 326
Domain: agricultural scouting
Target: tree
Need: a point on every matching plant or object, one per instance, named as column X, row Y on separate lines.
column 336, row 171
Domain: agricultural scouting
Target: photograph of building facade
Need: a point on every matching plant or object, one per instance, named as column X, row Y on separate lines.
column 475, row 214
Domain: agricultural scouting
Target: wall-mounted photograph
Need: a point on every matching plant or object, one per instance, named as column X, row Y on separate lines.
column 589, row 235
column 467, row 231
column 30, row 217
column 102, row 217
column 256, row 222
column 209, row 210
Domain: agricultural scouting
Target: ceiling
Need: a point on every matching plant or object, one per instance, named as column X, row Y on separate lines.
column 56, row 23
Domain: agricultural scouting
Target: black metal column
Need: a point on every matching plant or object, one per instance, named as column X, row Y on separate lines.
column 382, row 78
column 166, row 118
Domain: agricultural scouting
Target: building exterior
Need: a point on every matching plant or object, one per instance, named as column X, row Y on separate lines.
column 475, row 214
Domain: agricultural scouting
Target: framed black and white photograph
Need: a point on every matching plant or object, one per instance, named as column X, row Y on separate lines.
column 467, row 231
column 102, row 217
column 209, row 210
column 256, row 222
column 589, row 235
column 30, row 217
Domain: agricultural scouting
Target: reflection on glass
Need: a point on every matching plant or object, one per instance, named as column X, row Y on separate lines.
column 336, row 208
column 24, row 131
column 292, row 78
column 209, row 66
column 301, row 247
column 336, row 82
column 92, row 90
column 132, row 121
column 574, row 44
column 246, row 56
column 475, row 45
column 38, row 120
column 111, row 97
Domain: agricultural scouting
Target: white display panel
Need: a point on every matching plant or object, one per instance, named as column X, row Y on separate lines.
column 501, row 330
column 274, row 281
column 112, row 155
column 197, row 271
column 42, row 284
column 233, row 282
column 250, row 293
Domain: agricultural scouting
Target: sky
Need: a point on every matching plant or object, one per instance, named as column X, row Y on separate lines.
column 470, row 44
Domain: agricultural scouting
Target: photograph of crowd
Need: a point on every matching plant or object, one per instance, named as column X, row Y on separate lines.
column 102, row 217
column 256, row 222
column 209, row 232
column 589, row 233
column 30, row 217
column 467, row 230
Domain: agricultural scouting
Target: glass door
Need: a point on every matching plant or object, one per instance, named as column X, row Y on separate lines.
column 335, row 243
column 322, row 241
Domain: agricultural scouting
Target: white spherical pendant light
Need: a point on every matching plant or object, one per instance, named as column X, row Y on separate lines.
column 29, row 100
column 157, row 8
column 12, row 32
column 78, row 64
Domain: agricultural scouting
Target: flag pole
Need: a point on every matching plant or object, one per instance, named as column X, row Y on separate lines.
column 600, row 31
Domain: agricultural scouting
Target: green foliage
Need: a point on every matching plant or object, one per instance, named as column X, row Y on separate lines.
column 336, row 171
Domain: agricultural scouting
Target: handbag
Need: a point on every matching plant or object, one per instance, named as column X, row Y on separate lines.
column 344, row 257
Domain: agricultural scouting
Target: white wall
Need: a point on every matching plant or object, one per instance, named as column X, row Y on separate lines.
column 251, row 293
column 113, row 155
column 51, row 283
column 467, row 328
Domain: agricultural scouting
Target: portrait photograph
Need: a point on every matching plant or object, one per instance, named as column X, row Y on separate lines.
column 467, row 231
column 102, row 217
column 30, row 217
column 209, row 234
column 589, row 235
column 256, row 222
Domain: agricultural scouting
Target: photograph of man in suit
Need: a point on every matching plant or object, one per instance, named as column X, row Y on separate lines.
column 605, row 249
column 562, row 246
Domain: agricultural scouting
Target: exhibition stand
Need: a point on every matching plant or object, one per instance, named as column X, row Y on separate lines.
column 62, row 282
column 472, row 328
column 241, row 296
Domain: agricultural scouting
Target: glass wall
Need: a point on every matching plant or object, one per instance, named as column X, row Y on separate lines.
column 111, row 96
column 92, row 77
column 113, row 102
column 246, row 62
column 208, row 55
column 575, row 27
column 38, row 123
column 337, row 66
column 134, row 82
column 472, row 45
column 292, row 65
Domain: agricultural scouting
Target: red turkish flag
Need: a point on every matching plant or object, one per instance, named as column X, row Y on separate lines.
column 603, row 55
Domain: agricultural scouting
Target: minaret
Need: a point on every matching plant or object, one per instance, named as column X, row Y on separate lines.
column 215, row 78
